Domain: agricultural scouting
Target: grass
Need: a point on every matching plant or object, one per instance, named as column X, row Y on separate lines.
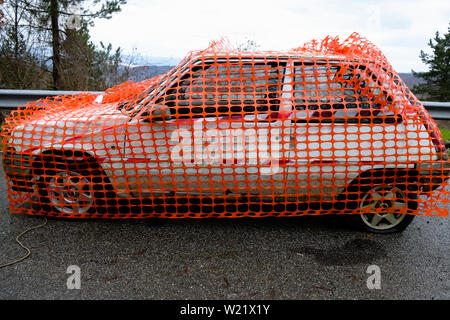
column 445, row 134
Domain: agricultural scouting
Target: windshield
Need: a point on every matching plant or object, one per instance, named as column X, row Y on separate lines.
column 146, row 99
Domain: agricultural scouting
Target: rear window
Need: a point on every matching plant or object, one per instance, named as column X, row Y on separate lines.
column 323, row 93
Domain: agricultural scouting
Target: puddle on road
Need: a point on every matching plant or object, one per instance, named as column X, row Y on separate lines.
column 353, row 252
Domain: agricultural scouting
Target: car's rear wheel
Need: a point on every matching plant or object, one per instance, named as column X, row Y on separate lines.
column 383, row 208
column 382, row 205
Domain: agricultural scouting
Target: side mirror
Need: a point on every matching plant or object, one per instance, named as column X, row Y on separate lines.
column 279, row 115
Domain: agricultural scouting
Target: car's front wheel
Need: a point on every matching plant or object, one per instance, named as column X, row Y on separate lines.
column 70, row 193
column 73, row 189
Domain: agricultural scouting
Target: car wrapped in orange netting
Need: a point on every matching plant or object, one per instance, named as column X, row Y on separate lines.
column 328, row 127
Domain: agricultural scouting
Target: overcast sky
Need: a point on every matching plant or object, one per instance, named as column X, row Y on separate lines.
column 171, row 28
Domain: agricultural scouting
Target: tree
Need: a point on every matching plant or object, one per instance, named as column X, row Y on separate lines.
column 437, row 79
column 48, row 14
column 85, row 66
column 39, row 34
column 21, row 61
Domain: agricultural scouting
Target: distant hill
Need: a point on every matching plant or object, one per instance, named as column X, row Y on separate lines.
column 410, row 80
column 140, row 73
column 140, row 67
column 141, row 60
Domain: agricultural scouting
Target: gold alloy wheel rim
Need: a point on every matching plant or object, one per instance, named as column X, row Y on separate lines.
column 383, row 207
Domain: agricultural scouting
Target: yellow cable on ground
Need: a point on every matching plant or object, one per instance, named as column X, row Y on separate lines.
column 21, row 244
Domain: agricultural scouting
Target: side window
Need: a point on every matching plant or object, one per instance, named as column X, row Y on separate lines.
column 322, row 94
column 179, row 94
column 217, row 88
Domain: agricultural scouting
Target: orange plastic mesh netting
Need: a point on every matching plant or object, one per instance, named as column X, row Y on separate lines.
column 328, row 127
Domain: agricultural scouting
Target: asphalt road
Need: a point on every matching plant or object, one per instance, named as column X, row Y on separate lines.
column 295, row 258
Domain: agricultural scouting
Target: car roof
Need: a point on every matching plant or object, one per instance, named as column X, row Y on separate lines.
column 268, row 54
column 274, row 55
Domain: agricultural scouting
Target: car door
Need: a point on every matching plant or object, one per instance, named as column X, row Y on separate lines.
column 223, row 135
column 319, row 140
column 235, row 104
column 148, row 169
column 251, row 128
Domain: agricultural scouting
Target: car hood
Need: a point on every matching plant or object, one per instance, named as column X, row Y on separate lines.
column 67, row 126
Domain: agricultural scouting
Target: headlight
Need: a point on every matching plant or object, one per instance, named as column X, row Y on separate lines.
column 16, row 163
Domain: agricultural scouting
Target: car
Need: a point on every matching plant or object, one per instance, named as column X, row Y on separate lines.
column 325, row 128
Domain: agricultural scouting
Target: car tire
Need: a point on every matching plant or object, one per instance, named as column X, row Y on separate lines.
column 69, row 188
column 380, row 196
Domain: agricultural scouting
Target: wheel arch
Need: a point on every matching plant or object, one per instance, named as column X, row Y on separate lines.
column 66, row 156
column 408, row 176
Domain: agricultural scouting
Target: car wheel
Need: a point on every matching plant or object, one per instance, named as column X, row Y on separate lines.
column 70, row 193
column 72, row 189
column 381, row 207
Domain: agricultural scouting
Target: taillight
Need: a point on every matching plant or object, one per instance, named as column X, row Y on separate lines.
column 437, row 140
column 435, row 135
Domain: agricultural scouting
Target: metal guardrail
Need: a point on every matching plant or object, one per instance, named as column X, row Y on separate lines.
column 11, row 99
column 438, row 110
